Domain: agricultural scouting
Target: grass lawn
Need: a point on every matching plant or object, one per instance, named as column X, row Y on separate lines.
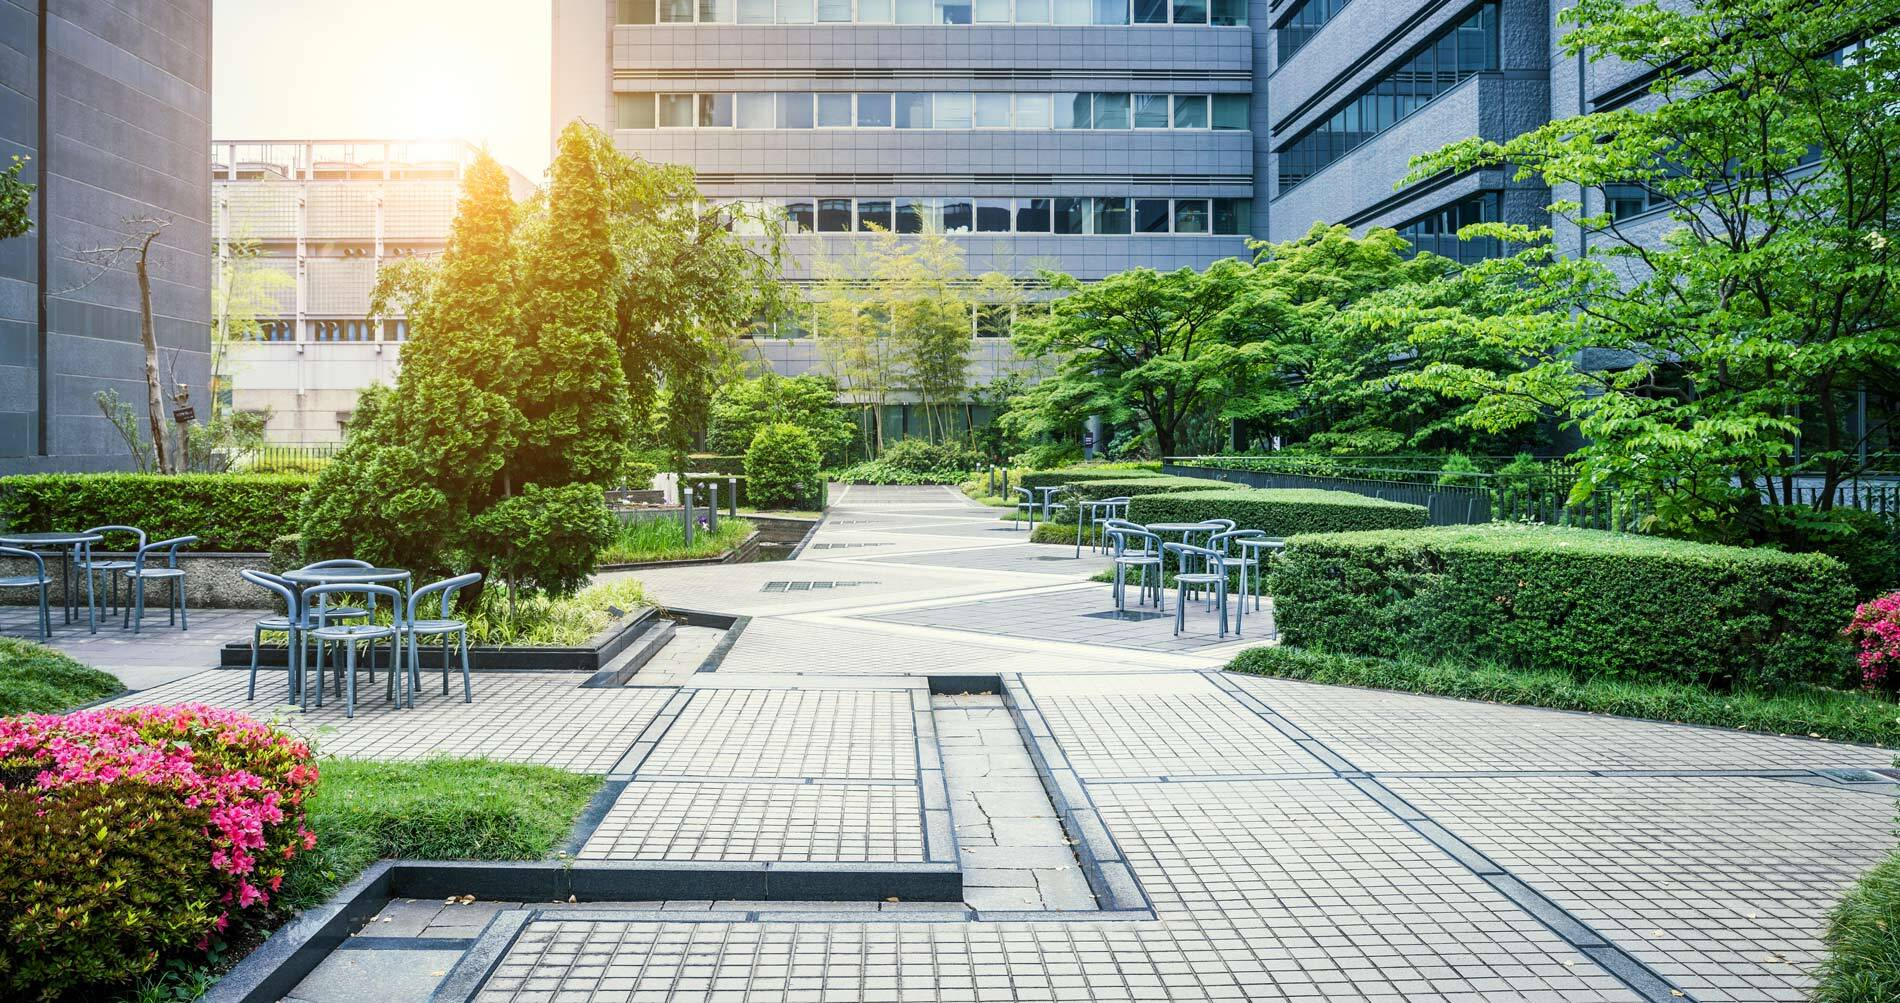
column 1816, row 713
column 35, row 679
column 665, row 540
column 1863, row 939
column 440, row 809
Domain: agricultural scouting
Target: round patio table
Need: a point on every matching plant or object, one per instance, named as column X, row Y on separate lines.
column 1264, row 548
column 68, row 544
column 1048, row 495
column 350, row 576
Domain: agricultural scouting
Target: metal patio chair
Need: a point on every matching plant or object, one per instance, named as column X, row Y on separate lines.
column 445, row 626
column 143, row 570
column 37, row 580
column 349, row 635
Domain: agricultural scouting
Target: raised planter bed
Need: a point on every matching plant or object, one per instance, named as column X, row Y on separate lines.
column 211, row 579
column 738, row 555
column 590, row 657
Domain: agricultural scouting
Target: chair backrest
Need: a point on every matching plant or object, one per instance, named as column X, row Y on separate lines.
column 170, row 547
column 1219, row 541
column 1117, row 500
column 1226, row 525
column 136, row 533
column 339, row 562
column 1027, row 494
column 1186, row 550
column 1122, row 533
column 21, row 552
column 284, row 589
column 314, row 597
column 448, row 587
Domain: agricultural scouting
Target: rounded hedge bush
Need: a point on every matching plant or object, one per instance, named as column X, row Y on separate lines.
column 781, row 468
column 1279, row 511
column 130, row 834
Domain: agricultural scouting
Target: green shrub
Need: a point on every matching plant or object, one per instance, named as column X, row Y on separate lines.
column 227, row 512
column 35, row 679
column 921, row 456
column 782, row 466
column 1087, row 475
column 1143, row 483
column 1594, row 603
column 1863, row 940
column 1867, row 543
column 286, row 553
column 546, row 538
column 1457, row 471
column 879, row 472
column 1279, row 511
column 740, row 408
column 1048, row 455
column 713, row 463
column 698, row 482
column 638, row 475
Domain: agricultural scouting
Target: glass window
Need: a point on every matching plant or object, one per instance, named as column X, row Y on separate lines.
column 1111, row 215
column 991, row 111
column 951, row 111
column 874, row 111
column 913, row 111
column 1624, row 201
column 798, row 216
column 718, row 11
column 1151, row 215
column 1111, row 11
column 1072, row 111
column 754, row 111
column 1074, row 11
column 1190, row 11
column 952, row 11
column 1233, row 216
column 1151, row 111
column 914, row 11
column 1032, row 11
column 834, row 11
column 992, row 320
column 958, row 215
column 1230, row 111
column 755, row 11
column 676, row 11
column 992, row 215
column 874, row 11
column 1032, row 215
column 1190, row 111
column 794, row 110
column 715, row 111
column 676, row 111
column 1072, row 215
column 633, row 111
column 634, row 12
column 990, row 12
column 912, row 214
column 1151, row 11
column 1032, row 111
column 834, row 111
column 794, row 11
column 1227, row 13
column 1111, row 111
column 874, row 213
column 834, row 215
column 1190, row 215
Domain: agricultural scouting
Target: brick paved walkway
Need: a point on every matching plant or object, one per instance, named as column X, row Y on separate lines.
column 1130, row 823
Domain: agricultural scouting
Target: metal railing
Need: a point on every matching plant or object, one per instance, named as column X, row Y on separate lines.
column 287, row 459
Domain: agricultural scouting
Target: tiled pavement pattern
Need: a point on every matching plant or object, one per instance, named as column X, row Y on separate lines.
column 790, row 734
column 1176, row 725
column 1087, row 615
column 666, row 820
column 157, row 654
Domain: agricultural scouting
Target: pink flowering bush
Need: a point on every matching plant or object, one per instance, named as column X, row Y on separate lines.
column 136, row 778
column 1876, row 630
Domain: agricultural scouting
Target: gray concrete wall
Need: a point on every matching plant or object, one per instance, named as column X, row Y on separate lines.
column 123, row 91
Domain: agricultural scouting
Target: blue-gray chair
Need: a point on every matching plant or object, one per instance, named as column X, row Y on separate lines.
column 349, row 635
column 1224, row 542
column 1092, row 514
column 143, row 570
column 1214, row 578
column 291, row 624
column 1137, row 549
column 444, row 626
column 1028, row 505
column 345, row 611
column 37, row 580
column 111, row 567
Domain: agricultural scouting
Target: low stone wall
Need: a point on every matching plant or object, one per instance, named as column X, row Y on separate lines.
column 211, row 581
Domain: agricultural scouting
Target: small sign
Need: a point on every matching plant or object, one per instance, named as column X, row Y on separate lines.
column 1088, row 440
column 184, row 414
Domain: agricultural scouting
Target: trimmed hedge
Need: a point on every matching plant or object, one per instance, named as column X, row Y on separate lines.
column 713, row 463
column 227, row 512
column 1280, row 511
column 1142, row 484
column 1594, row 603
column 698, row 483
column 1082, row 475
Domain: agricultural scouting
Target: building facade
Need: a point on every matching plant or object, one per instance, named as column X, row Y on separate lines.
column 318, row 219
column 112, row 104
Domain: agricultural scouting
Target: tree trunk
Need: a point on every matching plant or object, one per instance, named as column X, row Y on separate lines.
column 154, row 392
column 1164, row 439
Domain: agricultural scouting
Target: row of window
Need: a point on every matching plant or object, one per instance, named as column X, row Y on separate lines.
column 1308, row 17
column 1436, row 232
column 930, row 110
column 987, row 320
column 1451, row 56
column 357, row 329
column 1081, row 215
column 1220, row 13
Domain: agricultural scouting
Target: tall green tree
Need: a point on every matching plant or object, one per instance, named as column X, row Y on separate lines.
column 1767, row 149
column 741, row 407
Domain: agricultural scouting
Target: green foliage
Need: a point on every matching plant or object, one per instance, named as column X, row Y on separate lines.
column 1142, row 483
column 228, row 512
column 1863, row 940
column 542, row 620
column 727, row 485
column 1773, row 295
column 709, row 463
column 880, row 472
column 35, row 679
column 438, row 809
column 1083, row 475
column 98, row 884
column 1821, row 713
column 545, row 537
column 1278, row 512
column 782, row 466
column 664, row 539
column 286, row 553
column 923, row 456
column 1456, row 471
column 1619, row 606
column 741, row 407
column 16, row 201
column 1868, row 544
column 1048, row 455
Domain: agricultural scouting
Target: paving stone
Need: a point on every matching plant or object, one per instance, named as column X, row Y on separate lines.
column 740, row 821
column 854, row 734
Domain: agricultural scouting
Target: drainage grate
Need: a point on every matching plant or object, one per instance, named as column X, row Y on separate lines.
column 809, row 586
column 1851, row 776
column 846, row 546
column 1133, row 615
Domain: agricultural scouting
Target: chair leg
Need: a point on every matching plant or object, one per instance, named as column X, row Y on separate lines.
column 409, row 683
column 257, row 637
column 446, row 640
column 138, row 604
column 1180, row 608
column 468, row 686
column 320, row 670
column 46, row 616
column 349, row 680
column 184, row 621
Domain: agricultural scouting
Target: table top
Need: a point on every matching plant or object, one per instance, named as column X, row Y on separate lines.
column 1178, row 527
column 345, row 576
column 48, row 539
column 1047, row 490
column 1259, row 541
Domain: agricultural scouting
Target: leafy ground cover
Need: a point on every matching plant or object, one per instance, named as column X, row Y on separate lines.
column 35, row 679
column 1863, row 939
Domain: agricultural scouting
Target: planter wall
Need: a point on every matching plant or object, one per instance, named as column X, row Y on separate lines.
column 211, row 580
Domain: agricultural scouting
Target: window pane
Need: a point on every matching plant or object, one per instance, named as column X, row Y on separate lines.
column 913, row 111
column 676, row 11
column 1190, row 11
column 1227, row 12
column 991, row 11
column 914, row 12
column 1234, row 216
column 1111, row 215
column 874, row 111
column 1032, row 11
column 952, row 11
column 1190, row 111
column 715, row 111
column 798, row 217
column 718, row 11
column 1111, row 111
column 1072, row 215
column 1032, row 215
column 1151, row 11
column 754, row 111
column 794, row 111
column 635, row 12
column 1072, row 111
column 992, row 215
column 834, row 111
column 676, row 111
column 874, row 213
column 874, row 11
column 834, row 215
column 1151, row 215
column 1032, row 111
column 1151, row 111
column 1111, row 11
column 951, row 111
column 911, row 214
column 957, row 215
column 633, row 111
column 1190, row 215
column 1074, row 11
column 794, row 11
column 1230, row 111
column 830, row 11
column 755, row 11
column 990, row 111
